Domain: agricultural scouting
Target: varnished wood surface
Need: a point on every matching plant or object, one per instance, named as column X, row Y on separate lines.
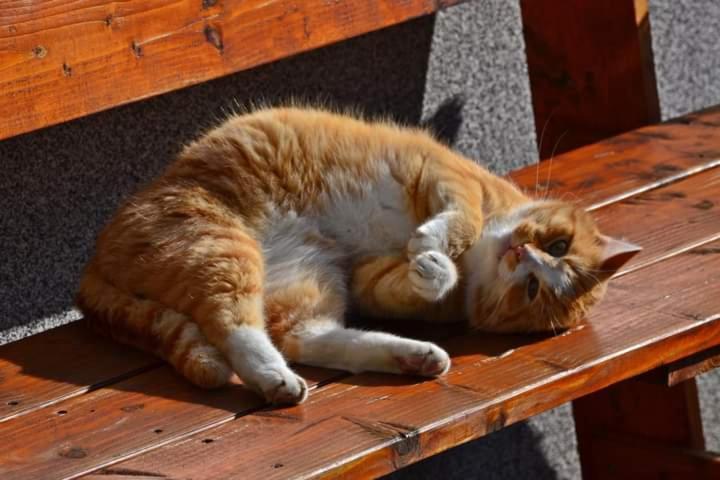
column 61, row 60
column 371, row 424
column 59, row 364
column 629, row 164
column 591, row 70
column 110, row 424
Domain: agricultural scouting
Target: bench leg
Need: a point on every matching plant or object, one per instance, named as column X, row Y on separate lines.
column 637, row 429
column 591, row 70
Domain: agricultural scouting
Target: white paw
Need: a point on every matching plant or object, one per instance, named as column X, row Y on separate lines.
column 422, row 358
column 431, row 235
column 280, row 386
column 422, row 241
column 433, row 274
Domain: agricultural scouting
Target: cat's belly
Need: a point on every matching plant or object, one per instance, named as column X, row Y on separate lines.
column 375, row 221
column 294, row 248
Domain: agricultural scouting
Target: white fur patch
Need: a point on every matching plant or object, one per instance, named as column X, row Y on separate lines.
column 431, row 235
column 329, row 345
column 433, row 275
column 554, row 276
column 481, row 261
column 290, row 256
column 374, row 221
column 259, row 364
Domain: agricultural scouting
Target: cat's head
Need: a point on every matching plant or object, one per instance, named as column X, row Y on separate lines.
column 540, row 268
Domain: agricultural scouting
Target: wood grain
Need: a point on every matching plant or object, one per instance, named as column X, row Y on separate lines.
column 668, row 219
column 591, row 70
column 80, row 434
column 370, row 424
column 628, row 164
column 61, row 363
column 62, row 60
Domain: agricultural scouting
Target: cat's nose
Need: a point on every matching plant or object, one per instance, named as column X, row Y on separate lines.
column 520, row 252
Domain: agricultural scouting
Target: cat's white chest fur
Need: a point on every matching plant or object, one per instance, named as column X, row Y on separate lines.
column 375, row 221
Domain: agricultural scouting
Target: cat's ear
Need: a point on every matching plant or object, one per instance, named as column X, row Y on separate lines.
column 616, row 253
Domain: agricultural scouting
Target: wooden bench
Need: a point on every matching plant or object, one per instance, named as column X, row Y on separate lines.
column 75, row 405
column 72, row 404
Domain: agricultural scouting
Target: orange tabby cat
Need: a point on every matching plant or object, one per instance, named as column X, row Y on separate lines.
column 246, row 252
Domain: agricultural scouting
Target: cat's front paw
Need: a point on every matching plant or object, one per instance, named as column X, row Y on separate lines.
column 429, row 236
column 423, row 358
column 432, row 275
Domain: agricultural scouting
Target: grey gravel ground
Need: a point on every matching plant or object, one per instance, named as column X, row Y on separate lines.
column 466, row 67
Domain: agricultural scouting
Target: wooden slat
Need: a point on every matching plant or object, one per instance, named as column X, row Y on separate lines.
column 371, row 424
column 61, row 60
column 108, row 425
column 61, row 363
column 591, row 70
column 631, row 163
column 668, row 219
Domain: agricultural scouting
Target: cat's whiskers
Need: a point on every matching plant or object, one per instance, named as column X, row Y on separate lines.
column 498, row 303
column 552, row 156
column 542, row 138
column 594, row 277
column 576, row 198
column 552, row 325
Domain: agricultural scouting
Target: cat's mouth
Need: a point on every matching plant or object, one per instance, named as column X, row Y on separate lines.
column 511, row 256
column 510, row 251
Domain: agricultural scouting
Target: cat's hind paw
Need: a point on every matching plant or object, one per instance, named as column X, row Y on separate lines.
column 281, row 386
column 433, row 274
column 425, row 358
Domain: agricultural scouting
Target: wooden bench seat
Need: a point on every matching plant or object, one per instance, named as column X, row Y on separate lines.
column 75, row 405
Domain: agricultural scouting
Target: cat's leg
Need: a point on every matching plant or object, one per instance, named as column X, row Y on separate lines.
column 218, row 281
column 152, row 327
column 451, row 207
column 305, row 305
column 400, row 288
column 326, row 343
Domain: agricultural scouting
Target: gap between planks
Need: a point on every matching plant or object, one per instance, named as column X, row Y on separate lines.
column 655, row 185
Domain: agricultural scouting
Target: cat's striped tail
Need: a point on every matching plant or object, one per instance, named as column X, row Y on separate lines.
column 152, row 327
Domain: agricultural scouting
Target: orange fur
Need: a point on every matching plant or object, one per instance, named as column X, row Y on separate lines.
column 192, row 257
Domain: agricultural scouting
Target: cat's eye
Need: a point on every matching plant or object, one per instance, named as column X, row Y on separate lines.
column 533, row 287
column 558, row 248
